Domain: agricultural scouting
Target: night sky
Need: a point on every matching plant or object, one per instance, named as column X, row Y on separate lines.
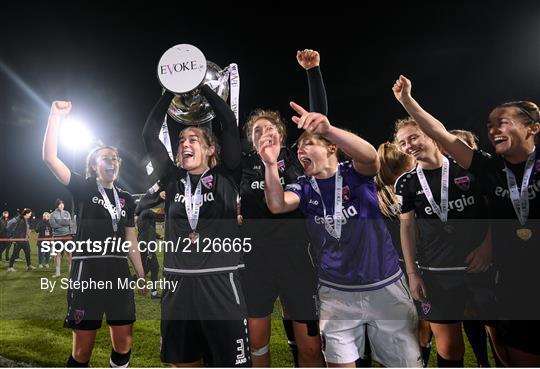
column 463, row 59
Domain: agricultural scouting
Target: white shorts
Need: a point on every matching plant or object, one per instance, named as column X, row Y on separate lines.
column 387, row 315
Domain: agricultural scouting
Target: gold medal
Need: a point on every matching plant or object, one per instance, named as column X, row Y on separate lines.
column 524, row 233
column 193, row 236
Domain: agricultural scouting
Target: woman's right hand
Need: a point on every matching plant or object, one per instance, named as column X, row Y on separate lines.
column 269, row 147
column 417, row 287
column 60, row 108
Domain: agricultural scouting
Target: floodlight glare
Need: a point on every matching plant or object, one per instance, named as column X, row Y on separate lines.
column 74, row 134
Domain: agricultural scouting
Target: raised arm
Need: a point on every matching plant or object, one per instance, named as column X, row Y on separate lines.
column 364, row 155
column 231, row 152
column 277, row 200
column 310, row 61
column 154, row 147
column 432, row 127
column 59, row 110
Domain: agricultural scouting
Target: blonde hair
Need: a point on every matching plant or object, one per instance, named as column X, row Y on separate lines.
column 404, row 122
column 394, row 162
column 272, row 116
column 209, row 141
column 467, row 136
column 92, row 157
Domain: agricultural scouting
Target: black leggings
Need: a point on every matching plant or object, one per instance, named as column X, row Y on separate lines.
column 476, row 333
column 5, row 245
column 150, row 264
column 25, row 246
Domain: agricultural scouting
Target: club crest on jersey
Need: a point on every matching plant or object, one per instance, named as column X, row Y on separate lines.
column 537, row 166
column 426, row 307
column 346, row 193
column 78, row 316
column 281, row 166
column 464, row 183
column 122, row 202
column 208, row 181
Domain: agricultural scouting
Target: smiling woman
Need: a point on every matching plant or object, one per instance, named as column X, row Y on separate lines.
column 201, row 205
column 440, row 201
column 98, row 220
column 197, row 149
column 510, row 182
column 104, row 163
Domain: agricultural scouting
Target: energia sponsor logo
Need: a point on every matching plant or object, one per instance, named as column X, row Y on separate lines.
column 97, row 200
column 259, row 185
column 458, row 205
column 207, row 197
column 534, row 189
column 329, row 219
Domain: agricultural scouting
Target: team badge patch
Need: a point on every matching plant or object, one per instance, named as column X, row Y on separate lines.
column 78, row 316
column 464, row 183
column 426, row 307
column 537, row 166
column 122, row 202
column 346, row 193
column 281, row 166
column 208, row 181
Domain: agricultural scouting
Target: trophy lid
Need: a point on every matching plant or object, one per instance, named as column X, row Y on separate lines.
column 182, row 68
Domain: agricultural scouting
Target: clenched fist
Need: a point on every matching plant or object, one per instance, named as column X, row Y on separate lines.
column 60, row 108
column 308, row 58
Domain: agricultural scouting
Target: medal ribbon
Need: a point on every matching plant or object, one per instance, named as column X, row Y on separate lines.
column 115, row 213
column 520, row 199
column 442, row 211
column 193, row 202
column 334, row 231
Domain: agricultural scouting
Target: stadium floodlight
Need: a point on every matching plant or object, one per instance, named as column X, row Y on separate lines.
column 74, row 134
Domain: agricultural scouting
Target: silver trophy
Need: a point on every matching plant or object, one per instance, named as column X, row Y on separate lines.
column 183, row 70
column 191, row 108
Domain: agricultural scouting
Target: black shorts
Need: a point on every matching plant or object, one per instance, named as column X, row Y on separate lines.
column 455, row 296
column 283, row 271
column 519, row 334
column 86, row 308
column 205, row 318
